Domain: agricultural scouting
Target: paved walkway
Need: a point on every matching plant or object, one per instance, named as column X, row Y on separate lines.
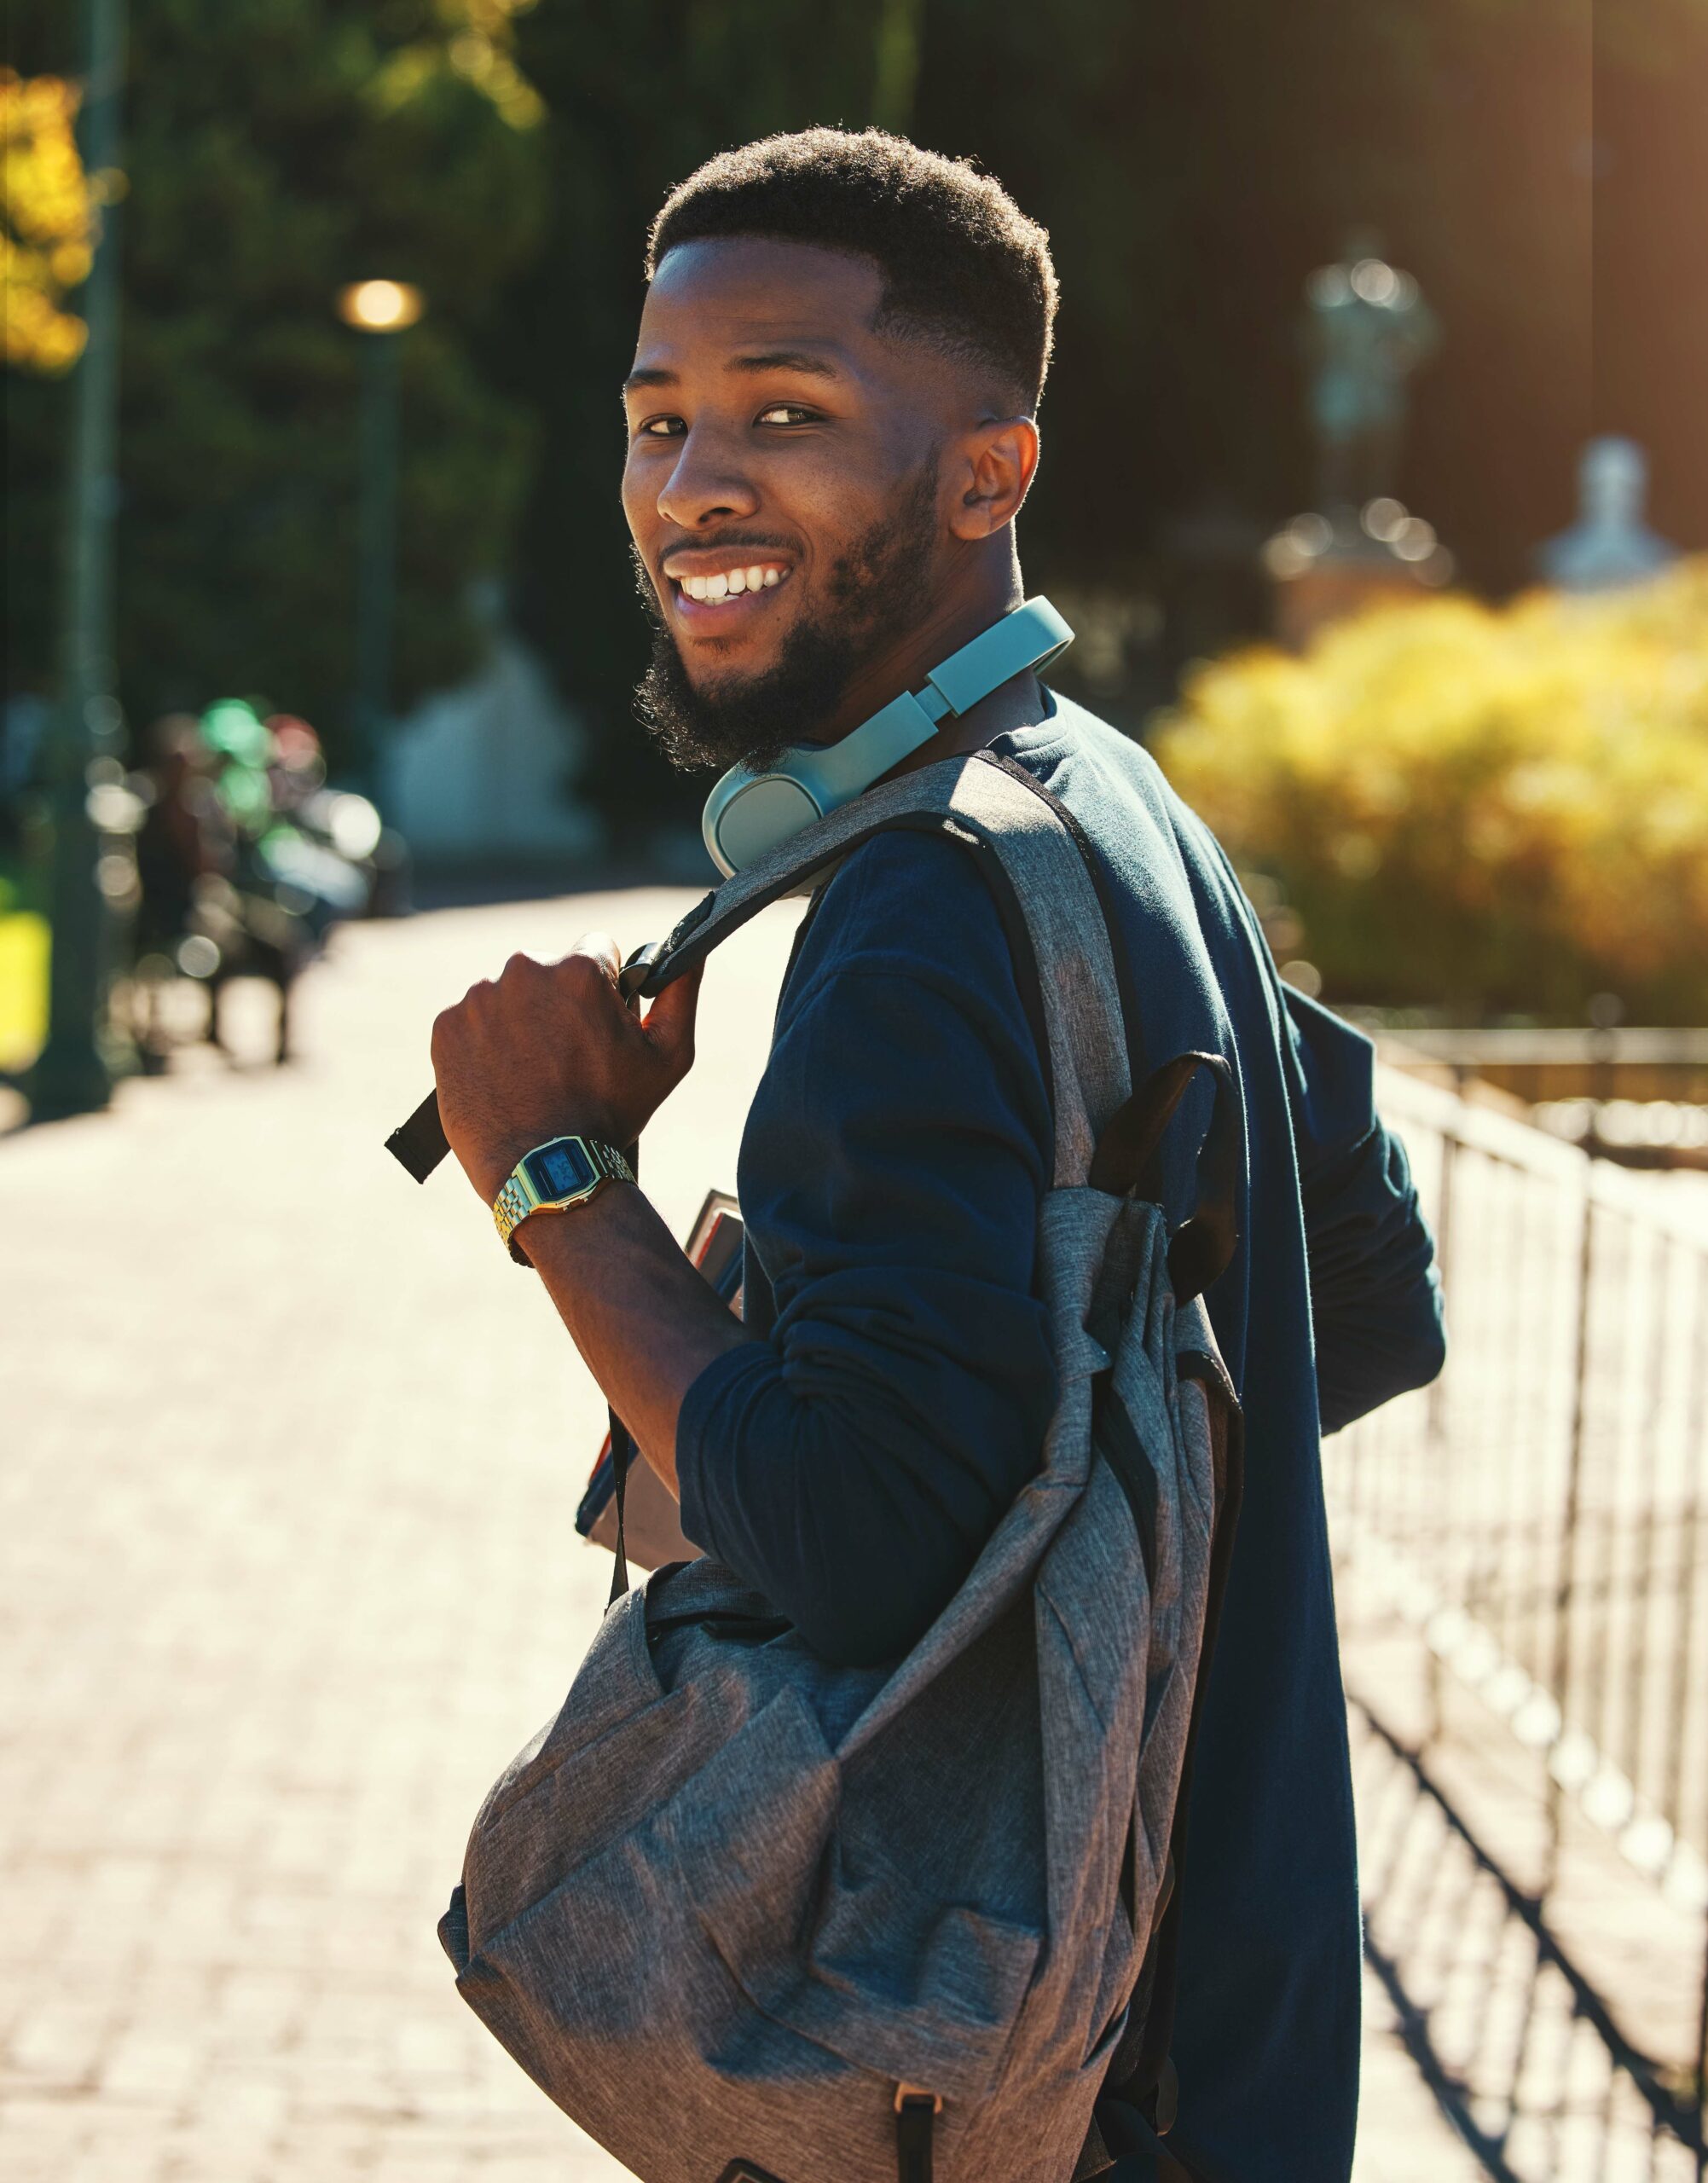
column 286, row 1573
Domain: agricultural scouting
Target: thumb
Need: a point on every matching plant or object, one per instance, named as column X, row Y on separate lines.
column 670, row 1020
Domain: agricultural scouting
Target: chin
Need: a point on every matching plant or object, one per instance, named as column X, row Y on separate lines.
column 715, row 666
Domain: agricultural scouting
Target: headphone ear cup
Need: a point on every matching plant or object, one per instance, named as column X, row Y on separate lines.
column 754, row 817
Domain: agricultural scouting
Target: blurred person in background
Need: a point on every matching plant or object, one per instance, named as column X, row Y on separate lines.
column 185, row 832
column 832, row 431
column 246, row 859
column 186, row 837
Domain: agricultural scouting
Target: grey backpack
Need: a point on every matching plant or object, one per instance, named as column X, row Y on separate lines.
column 749, row 1918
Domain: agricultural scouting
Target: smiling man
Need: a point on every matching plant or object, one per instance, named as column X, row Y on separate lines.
column 831, row 430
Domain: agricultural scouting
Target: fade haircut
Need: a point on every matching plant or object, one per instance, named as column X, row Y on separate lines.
column 964, row 268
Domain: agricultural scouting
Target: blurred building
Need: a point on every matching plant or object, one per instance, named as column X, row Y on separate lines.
column 482, row 773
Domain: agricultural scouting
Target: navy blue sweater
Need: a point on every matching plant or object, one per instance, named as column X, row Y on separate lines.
column 852, row 1458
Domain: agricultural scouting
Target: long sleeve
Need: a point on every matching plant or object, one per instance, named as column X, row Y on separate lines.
column 1375, row 1298
column 852, row 1462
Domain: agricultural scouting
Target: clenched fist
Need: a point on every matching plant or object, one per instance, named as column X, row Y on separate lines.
column 552, row 1050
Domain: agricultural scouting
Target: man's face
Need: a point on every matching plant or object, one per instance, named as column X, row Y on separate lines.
column 781, row 487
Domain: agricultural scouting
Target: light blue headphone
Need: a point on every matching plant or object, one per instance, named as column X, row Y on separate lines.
column 748, row 814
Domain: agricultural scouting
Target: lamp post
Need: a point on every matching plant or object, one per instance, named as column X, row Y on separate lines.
column 73, row 1072
column 380, row 311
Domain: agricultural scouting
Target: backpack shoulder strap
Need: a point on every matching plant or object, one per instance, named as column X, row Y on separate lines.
column 1049, row 894
column 1049, row 887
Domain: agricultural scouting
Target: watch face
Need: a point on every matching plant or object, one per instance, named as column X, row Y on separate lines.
column 561, row 1169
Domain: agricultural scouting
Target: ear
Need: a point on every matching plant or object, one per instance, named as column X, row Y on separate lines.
column 999, row 459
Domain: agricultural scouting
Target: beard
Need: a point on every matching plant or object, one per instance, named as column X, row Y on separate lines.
column 875, row 592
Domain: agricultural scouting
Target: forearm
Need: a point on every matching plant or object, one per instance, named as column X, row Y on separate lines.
column 645, row 1322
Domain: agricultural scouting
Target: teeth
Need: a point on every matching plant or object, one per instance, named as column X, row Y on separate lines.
column 732, row 582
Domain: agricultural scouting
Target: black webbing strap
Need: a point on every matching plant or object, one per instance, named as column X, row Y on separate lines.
column 419, row 1145
column 622, row 1448
column 1129, row 1157
column 622, row 1451
column 916, row 2119
column 1148, row 2078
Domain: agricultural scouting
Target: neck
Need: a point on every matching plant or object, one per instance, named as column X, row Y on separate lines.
column 981, row 590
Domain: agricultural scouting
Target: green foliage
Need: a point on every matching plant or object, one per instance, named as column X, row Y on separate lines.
column 276, row 149
column 1483, row 810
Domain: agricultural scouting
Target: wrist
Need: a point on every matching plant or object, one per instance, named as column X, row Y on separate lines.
column 554, row 1241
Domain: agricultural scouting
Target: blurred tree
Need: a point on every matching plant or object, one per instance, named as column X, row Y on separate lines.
column 48, row 210
column 283, row 148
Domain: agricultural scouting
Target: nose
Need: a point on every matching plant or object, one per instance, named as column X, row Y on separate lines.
column 706, row 484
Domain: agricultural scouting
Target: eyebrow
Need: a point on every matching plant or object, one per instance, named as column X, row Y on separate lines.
column 769, row 360
column 786, row 360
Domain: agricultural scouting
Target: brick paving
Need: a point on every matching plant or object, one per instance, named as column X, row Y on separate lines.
column 286, row 1573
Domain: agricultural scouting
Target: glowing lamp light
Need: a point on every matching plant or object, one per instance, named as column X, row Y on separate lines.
column 380, row 306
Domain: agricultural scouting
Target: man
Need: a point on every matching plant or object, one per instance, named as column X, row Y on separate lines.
column 830, row 432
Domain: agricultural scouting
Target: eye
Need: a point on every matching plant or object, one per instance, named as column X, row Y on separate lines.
column 661, row 428
column 786, row 412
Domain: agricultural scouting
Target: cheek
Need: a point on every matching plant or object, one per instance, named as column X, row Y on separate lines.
column 827, row 504
column 637, row 504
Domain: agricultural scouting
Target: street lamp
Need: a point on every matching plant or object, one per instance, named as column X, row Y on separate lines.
column 380, row 310
column 73, row 1072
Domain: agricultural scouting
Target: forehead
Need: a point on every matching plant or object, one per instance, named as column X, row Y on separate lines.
column 711, row 299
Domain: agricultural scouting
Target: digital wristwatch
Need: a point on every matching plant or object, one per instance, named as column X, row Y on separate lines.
column 564, row 1171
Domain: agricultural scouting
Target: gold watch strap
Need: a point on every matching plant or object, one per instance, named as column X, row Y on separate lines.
column 521, row 1197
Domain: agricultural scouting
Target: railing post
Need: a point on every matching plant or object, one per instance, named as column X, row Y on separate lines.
column 1440, row 1411
column 1560, row 1668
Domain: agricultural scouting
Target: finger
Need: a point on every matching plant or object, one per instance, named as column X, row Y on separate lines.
column 602, row 948
column 670, row 1020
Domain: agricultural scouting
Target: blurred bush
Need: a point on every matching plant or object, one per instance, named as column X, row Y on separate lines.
column 1483, row 810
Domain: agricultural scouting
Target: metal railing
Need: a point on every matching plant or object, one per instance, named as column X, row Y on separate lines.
column 1534, row 1529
